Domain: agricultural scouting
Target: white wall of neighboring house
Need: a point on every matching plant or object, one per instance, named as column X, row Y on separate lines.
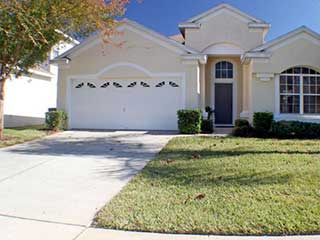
column 29, row 97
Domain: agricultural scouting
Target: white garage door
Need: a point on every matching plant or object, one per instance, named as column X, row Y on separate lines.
column 125, row 104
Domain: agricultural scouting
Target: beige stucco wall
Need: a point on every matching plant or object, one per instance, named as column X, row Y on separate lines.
column 263, row 99
column 224, row 28
column 136, row 49
column 302, row 51
column 238, row 78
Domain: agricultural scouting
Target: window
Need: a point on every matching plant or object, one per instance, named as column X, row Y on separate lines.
column 224, row 70
column 300, row 91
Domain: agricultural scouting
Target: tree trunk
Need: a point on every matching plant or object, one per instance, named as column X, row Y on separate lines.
column 2, row 93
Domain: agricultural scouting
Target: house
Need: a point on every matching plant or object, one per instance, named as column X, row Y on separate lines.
column 220, row 60
column 29, row 97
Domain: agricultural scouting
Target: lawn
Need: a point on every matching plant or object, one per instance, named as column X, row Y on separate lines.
column 231, row 186
column 20, row 135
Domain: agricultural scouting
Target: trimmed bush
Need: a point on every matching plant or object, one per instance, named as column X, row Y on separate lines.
column 295, row 129
column 56, row 120
column 262, row 123
column 189, row 121
column 242, row 128
column 241, row 123
column 207, row 126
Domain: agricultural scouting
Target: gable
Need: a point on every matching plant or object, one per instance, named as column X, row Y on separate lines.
column 300, row 50
column 224, row 27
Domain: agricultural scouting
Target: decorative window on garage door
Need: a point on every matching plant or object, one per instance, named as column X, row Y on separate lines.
column 143, row 84
column 91, row 85
column 80, row 85
column 105, row 85
column 133, row 84
column 173, row 84
column 161, row 84
column 117, row 85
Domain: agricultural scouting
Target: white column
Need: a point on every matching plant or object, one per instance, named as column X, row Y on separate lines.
column 277, row 95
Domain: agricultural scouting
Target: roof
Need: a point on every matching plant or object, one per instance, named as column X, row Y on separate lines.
column 139, row 27
column 284, row 37
column 221, row 7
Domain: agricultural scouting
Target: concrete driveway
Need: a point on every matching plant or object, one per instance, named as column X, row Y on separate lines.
column 52, row 188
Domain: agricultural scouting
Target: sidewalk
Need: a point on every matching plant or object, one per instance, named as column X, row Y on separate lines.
column 103, row 234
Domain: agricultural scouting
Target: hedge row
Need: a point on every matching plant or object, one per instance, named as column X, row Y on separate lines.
column 295, row 129
column 264, row 126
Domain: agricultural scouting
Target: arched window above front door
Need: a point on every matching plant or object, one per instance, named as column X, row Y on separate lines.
column 224, row 70
column 300, row 91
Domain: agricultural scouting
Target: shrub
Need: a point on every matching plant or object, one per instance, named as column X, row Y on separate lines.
column 207, row 126
column 295, row 129
column 189, row 121
column 56, row 120
column 262, row 123
column 242, row 128
column 241, row 123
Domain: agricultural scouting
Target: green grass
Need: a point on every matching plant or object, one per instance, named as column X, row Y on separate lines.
column 244, row 186
column 23, row 134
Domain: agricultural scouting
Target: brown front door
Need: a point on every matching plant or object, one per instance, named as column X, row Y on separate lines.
column 223, row 104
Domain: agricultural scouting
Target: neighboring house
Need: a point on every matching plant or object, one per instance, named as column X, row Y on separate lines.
column 220, row 60
column 29, row 97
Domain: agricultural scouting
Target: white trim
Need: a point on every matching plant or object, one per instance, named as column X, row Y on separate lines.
column 189, row 25
column 259, row 25
column 71, row 39
column 223, row 48
column 228, row 7
column 263, row 56
column 232, row 81
column 265, row 77
column 277, row 94
column 68, row 103
column 202, row 58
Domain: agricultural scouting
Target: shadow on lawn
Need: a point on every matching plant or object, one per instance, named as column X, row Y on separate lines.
column 197, row 177
column 175, row 173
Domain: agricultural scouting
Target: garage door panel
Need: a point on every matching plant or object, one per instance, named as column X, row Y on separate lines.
column 125, row 104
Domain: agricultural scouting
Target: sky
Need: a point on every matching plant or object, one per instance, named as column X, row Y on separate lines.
column 164, row 16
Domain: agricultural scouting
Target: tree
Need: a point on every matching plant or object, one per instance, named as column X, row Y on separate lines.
column 30, row 28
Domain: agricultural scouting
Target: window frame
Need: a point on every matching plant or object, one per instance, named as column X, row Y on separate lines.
column 225, row 70
column 301, row 93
